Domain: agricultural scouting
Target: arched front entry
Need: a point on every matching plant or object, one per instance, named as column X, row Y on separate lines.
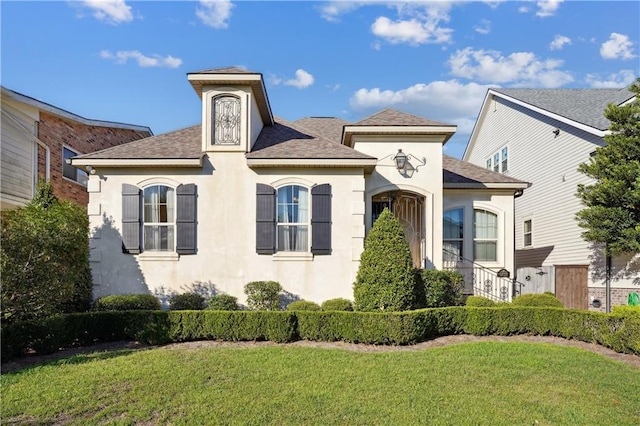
column 408, row 208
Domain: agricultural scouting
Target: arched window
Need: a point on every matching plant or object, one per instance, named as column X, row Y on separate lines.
column 293, row 219
column 485, row 236
column 158, row 218
column 453, row 235
column 226, row 120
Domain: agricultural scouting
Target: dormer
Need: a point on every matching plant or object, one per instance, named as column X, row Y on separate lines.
column 235, row 108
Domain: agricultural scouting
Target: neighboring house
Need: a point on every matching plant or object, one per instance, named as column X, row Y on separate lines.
column 541, row 136
column 38, row 138
column 248, row 196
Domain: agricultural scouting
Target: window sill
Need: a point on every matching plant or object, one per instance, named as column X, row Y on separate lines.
column 293, row 256
column 167, row 256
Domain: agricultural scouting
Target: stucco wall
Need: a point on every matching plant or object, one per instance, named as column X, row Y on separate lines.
column 226, row 256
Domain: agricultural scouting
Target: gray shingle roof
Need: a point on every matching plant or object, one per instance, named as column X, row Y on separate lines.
column 392, row 117
column 289, row 140
column 329, row 127
column 585, row 106
column 180, row 144
column 456, row 171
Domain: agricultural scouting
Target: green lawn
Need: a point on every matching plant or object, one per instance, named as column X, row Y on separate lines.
column 474, row 383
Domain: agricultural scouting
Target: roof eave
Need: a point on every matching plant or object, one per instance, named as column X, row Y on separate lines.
column 366, row 163
column 348, row 131
column 487, row 185
column 137, row 162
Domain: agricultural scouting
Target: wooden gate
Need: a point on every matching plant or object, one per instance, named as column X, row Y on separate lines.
column 571, row 286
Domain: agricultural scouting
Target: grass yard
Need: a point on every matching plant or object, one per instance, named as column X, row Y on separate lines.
column 474, row 383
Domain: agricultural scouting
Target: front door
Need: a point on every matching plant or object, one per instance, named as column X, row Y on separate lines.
column 408, row 208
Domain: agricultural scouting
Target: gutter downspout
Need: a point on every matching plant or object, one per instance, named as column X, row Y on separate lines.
column 47, row 171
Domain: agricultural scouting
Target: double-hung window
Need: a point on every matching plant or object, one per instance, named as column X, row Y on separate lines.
column 528, row 231
column 71, row 172
column 293, row 219
column 159, row 218
column 499, row 161
column 485, row 236
column 453, row 235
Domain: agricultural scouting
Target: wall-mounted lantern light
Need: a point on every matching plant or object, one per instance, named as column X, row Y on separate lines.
column 401, row 160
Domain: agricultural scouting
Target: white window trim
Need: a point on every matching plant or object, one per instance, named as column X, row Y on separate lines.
column 499, row 235
column 295, row 255
column 159, row 254
column 524, row 245
column 491, row 160
column 64, row 163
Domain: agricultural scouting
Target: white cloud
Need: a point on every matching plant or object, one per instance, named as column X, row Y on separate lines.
column 484, row 27
column 426, row 100
column 214, row 13
column 517, row 69
column 523, row 9
column 617, row 47
column 110, row 11
column 122, row 56
column 559, row 41
column 623, row 78
column 414, row 22
column 547, row 8
column 303, row 80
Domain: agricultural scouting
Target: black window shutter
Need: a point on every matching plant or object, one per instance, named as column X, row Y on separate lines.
column 186, row 218
column 130, row 219
column 321, row 219
column 265, row 219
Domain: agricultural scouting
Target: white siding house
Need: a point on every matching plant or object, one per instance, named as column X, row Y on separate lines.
column 247, row 196
column 541, row 136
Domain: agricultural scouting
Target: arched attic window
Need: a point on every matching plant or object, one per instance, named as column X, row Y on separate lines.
column 226, row 120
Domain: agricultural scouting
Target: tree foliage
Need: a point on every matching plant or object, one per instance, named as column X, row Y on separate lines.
column 612, row 213
column 44, row 258
column 386, row 279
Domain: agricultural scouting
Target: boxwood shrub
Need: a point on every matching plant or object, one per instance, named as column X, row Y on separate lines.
column 337, row 304
column 542, row 299
column 223, row 302
column 479, row 301
column 127, row 302
column 186, row 301
column 303, row 305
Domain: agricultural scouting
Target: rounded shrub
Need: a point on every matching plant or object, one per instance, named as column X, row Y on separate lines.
column 263, row 295
column 386, row 279
column 480, row 302
column 303, row 305
column 337, row 304
column 186, row 302
column 544, row 299
column 127, row 302
column 442, row 288
column 223, row 302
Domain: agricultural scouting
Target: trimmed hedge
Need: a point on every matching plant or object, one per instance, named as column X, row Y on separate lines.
column 223, row 302
column 619, row 333
column 127, row 302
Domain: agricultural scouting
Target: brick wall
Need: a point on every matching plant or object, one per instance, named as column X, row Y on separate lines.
column 619, row 296
column 56, row 133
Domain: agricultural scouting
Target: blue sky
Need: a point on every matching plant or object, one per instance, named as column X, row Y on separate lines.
column 127, row 61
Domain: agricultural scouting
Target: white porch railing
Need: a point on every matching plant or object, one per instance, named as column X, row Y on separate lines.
column 481, row 281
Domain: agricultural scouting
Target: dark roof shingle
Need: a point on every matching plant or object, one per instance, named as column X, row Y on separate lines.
column 392, row 117
column 461, row 172
column 586, row 106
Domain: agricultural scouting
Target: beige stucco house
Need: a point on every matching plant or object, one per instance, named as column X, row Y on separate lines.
column 248, row 196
